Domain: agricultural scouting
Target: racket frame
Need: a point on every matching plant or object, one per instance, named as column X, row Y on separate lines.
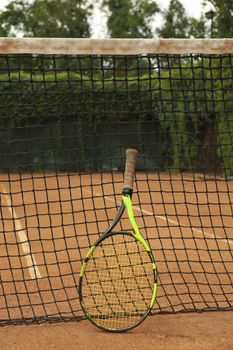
column 125, row 204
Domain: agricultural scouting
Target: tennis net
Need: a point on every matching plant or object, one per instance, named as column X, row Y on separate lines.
column 68, row 111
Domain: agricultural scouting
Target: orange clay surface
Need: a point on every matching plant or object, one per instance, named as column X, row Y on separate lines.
column 207, row 331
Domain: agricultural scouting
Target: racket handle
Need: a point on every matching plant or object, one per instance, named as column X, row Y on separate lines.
column 130, row 165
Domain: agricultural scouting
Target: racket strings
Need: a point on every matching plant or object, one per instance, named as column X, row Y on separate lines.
column 124, row 282
column 143, row 266
column 90, row 285
column 133, row 265
column 118, row 282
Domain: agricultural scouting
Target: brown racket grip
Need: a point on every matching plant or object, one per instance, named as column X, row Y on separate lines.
column 130, row 164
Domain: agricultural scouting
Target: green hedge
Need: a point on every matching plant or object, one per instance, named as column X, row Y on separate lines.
column 191, row 107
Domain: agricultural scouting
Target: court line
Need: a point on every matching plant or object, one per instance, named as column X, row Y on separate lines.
column 22, row 236
column 174, row 222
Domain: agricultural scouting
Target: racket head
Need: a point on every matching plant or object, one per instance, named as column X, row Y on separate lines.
column 117, row 286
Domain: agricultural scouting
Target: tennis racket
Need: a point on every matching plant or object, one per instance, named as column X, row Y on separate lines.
column 118, row 278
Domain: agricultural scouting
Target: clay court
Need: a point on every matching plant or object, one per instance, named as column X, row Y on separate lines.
column 50, row 220
column 69, row 110
column 207, row 331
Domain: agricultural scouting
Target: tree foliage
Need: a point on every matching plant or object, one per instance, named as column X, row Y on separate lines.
column 223, row 20
column 130, row 18
column 197, row 28
column 46, row 18
column 125, row 19
column 176, row 23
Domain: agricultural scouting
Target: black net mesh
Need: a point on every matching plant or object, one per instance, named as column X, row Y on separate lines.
column 65, row 123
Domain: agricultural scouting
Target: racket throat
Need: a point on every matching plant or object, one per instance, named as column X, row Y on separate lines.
column 128, row 204
column 116, row 218
column 127, row 193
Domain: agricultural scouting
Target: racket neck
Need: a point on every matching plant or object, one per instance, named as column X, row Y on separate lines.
column 126, row 193
column 129, row 207
column 116, row 218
